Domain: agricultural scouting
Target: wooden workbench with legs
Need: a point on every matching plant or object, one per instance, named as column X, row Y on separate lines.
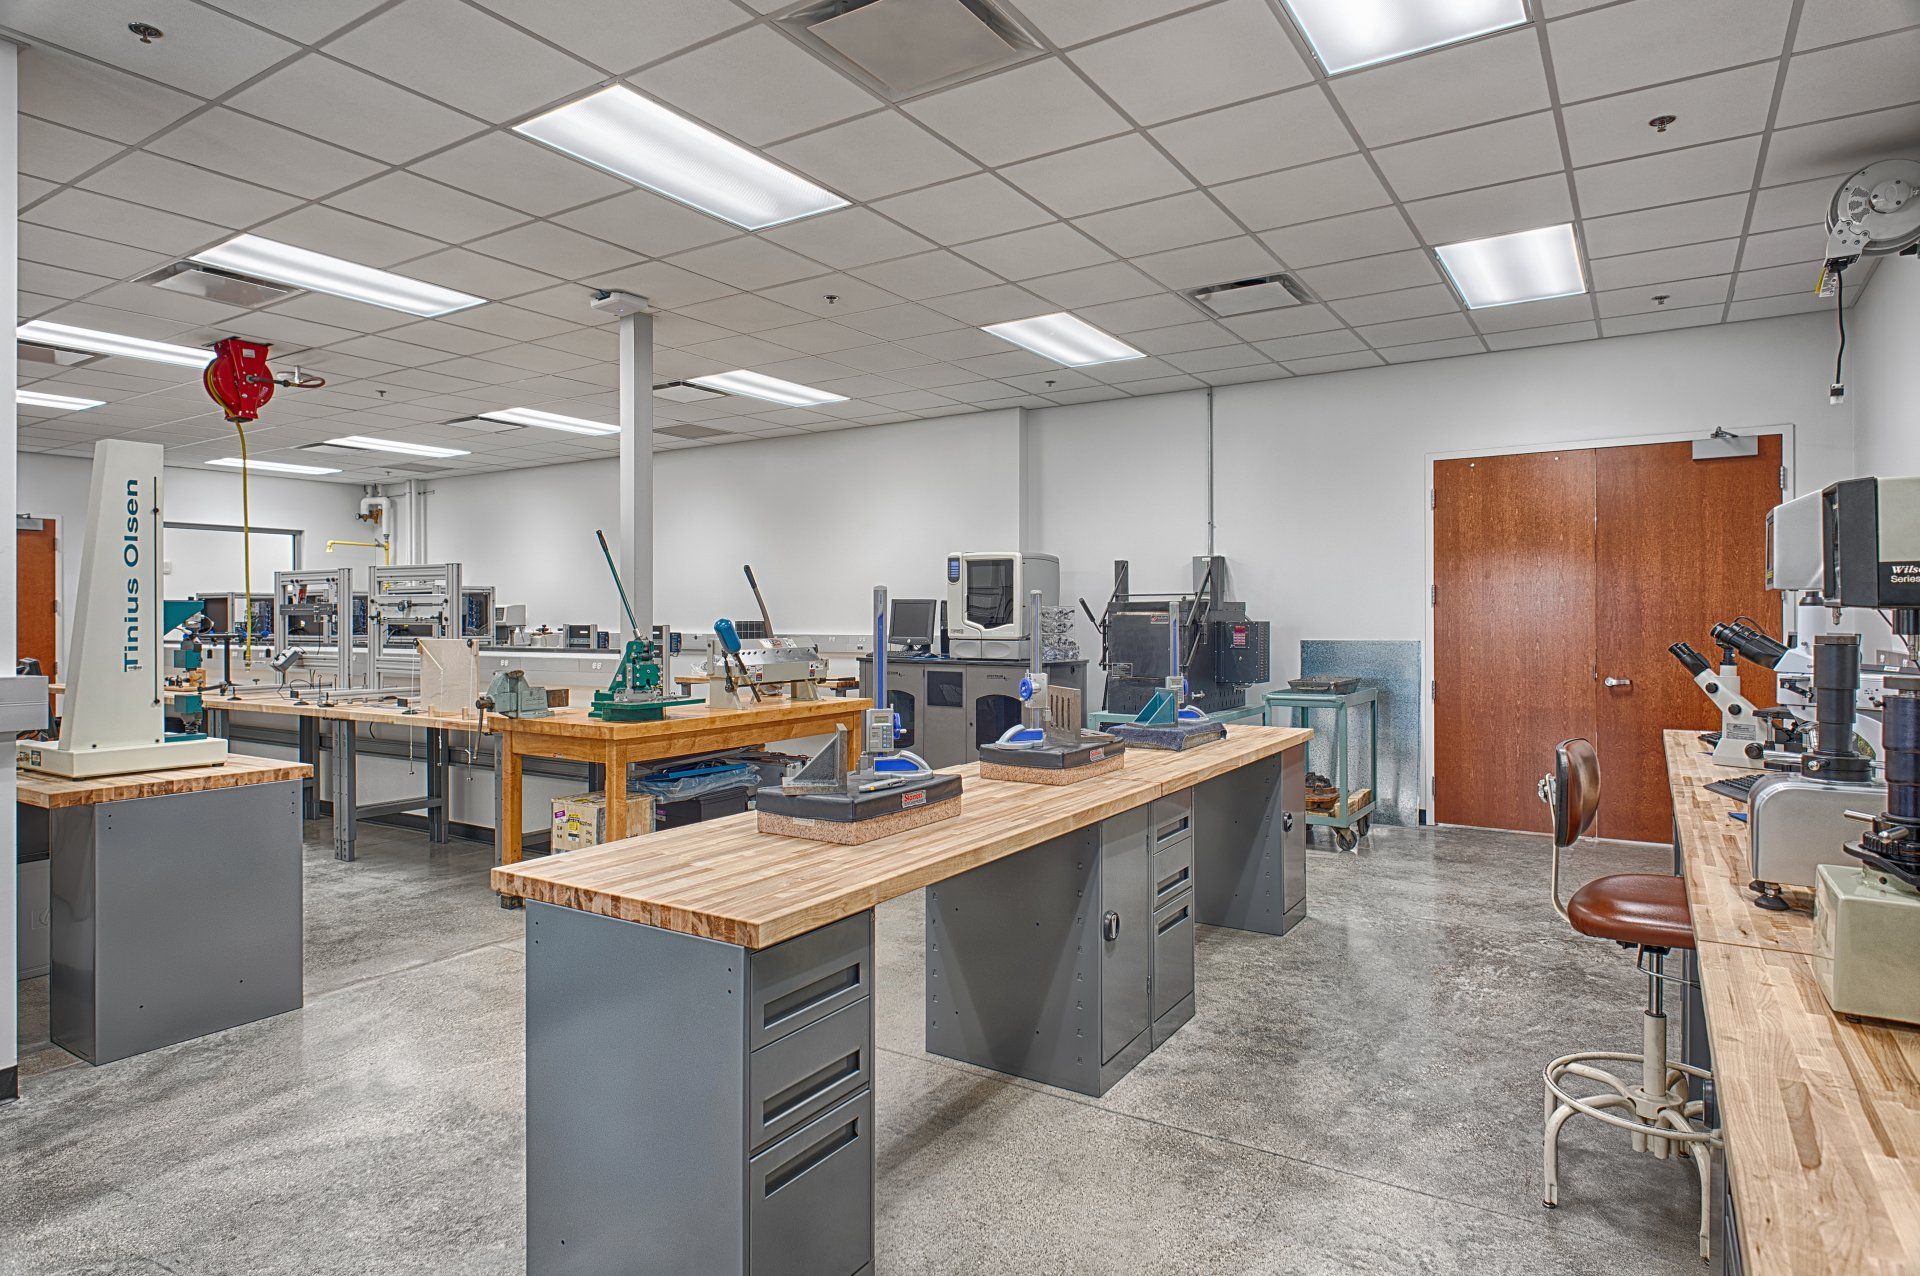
column 685, row 731
column 1821, row 1112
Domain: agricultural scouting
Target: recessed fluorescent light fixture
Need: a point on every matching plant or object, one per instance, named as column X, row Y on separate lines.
column 642, row 141
column 393, row 445
column 317, row 272
column 1529, row 265
column 66, row 403
column 271, row 467
column 755, row 385
column 1064, row 338
column 1349, row 34
column 62, row 337
column 550, row 421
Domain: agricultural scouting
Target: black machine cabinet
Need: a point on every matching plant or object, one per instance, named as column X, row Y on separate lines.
column 1222, row 652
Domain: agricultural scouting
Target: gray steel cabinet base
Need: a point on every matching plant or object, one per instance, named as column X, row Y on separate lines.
column 173, row 917
column 696, row 1107
column 1250, row 846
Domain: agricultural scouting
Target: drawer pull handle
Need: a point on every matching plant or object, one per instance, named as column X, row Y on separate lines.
column 801, row 1000
column 1175, row 829
column 1175, row 920
column 813, row 1156
column 808, row 1088
column 1174, row 881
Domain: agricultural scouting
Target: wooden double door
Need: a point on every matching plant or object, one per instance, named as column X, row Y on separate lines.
column 1560, row 580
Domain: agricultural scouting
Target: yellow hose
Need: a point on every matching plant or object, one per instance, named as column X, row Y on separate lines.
column 246, row 549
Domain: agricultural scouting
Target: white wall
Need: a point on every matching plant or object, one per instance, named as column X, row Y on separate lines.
column 1322, row 481
column 56, row 487
column 822, row 519
column 1883, row 369
column 1320, row 492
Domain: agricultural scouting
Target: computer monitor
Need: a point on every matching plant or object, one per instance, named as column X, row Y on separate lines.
column 914, row 623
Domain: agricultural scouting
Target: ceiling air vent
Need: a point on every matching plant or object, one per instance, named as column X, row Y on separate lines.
column 681, row 392
column 32, row 353
column 903, row 47
column 1245, row 296
column 217, row 285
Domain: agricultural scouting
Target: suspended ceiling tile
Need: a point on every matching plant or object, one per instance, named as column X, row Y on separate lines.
column 95, row 99
column 427, row 207
column 1851, row 79
column 276, row 157
column 520, row 174
column 1717, row 168
column 1691, row 223
column 1037, row 106
column 1449, row 88
column 339, row 104
column 1708, row 109
column 876, row 155
column 850, row 237
column 755, row 85
column 619, row 35
column 1209, row 57
column 142, row 177
column 1281, row 131
column 1308, row 193
column 1487, row 155
column 1626, row 46
column 1363, row 234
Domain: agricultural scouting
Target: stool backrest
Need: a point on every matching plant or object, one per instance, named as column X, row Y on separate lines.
column 1572, row 793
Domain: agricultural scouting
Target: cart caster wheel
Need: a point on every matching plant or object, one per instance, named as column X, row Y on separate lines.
column 512, row 901
column 1365, row 826
column 1346, row 839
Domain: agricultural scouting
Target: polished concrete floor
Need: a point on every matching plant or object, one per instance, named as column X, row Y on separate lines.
column 1362, row 1096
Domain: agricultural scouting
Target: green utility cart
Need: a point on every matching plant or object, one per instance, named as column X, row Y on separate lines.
column 1350, row 812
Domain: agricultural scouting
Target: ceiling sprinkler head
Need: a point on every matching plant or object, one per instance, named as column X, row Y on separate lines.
column 147, row 32
column 1659, row 122
column 832, row 297
column 1662, row 298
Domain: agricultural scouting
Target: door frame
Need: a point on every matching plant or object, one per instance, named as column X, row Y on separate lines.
column 1789, row 461
column 59, row 579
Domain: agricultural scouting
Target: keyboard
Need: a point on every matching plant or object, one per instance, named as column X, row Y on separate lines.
column 1739, row 787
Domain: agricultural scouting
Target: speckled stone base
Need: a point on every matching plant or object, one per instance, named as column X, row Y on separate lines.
column 1050, row 775
column 859, row 831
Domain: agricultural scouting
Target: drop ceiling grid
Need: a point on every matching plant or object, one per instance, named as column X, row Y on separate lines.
column 438, row 382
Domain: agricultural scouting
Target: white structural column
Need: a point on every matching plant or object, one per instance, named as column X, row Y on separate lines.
column 635, row 548
column 9, row 569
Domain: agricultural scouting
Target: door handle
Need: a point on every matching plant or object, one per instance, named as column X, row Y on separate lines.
column 1111, row 925
column 1619, row 682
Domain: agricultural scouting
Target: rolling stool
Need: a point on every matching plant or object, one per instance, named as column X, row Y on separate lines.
column 1646, row 912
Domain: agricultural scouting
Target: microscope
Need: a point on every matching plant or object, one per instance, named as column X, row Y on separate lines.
column 1746, row 733
column 1797, row 823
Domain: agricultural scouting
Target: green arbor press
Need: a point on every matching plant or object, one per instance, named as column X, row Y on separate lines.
column 638, row 692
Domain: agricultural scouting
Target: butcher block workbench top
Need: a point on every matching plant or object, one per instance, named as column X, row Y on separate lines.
column 54, row 792
column 1821, row 1112
column 725, row 880
column 690, row 721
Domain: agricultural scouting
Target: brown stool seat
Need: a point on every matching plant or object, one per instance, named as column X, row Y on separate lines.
column 1649, row 909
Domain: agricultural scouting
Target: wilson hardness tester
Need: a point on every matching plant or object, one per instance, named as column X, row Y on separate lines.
column 1040, row 750
column 893, row 790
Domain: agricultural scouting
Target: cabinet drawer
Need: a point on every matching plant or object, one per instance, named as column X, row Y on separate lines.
column 796, row 1078
column 1173, row 817
column 810, row 1197
column 1172, row 871
column 808, row 978
column 1172, row 955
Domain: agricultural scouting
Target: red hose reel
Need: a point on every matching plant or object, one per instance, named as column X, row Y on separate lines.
column 238, row 378
column 240, row 381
